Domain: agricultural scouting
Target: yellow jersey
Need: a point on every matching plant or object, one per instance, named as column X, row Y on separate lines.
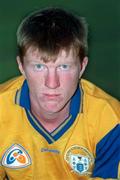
column 85, row 146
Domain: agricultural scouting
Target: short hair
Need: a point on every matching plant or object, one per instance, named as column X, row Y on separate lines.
column 51, row 30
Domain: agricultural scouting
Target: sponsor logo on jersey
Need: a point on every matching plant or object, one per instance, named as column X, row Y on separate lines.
column 16, row 157
column 50, row 150
column 80, row 160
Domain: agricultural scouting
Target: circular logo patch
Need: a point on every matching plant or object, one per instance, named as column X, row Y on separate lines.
column 79, row 159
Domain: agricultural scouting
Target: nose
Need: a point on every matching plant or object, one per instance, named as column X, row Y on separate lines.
column 52, row 79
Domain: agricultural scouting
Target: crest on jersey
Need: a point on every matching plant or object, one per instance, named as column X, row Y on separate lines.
column 16, row 157
column 80, row 160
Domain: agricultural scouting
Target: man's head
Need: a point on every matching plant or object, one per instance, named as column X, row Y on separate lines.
column 52, row 46
column 51, row 30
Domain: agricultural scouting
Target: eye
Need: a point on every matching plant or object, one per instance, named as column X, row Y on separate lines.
column 64, row 67
column 39, row 67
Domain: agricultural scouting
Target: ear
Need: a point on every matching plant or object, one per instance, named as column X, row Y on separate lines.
column 20, row 66
column 83, row 65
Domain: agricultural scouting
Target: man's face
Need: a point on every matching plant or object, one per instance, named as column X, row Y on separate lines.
column 51, row 84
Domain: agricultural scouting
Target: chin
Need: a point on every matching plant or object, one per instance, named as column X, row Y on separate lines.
column 53, row 108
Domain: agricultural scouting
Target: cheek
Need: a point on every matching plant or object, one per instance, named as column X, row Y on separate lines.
column 70, row 79
column 33, row 82
column 32, row 77
column 69, row 84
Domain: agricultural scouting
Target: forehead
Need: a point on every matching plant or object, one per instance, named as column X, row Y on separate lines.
column 34, row 54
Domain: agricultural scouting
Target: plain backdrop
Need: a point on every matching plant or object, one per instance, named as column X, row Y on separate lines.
column 103, row 17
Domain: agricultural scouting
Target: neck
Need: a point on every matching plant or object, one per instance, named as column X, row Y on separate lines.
column 50, row 121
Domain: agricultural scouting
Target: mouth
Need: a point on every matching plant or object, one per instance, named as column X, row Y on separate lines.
column 51, row 96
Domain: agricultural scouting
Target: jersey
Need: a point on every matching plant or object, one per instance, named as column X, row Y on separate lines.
column 85, row 146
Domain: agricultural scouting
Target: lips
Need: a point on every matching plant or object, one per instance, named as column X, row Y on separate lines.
column 52, row 96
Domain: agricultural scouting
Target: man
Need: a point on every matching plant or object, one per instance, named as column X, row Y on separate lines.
column 53, row 125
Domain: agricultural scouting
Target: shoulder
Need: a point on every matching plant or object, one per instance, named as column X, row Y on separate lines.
column 8, row 107
column 96, row 96
column 12, row 84
column 102, row 114
column 101, row 110
column 8, row 92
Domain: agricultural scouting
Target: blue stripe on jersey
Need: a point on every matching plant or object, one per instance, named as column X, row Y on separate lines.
column 74, row 110
column 24, row 96
column 75, row 103
column 107, row 158
column 40, row 130
column 23, row 99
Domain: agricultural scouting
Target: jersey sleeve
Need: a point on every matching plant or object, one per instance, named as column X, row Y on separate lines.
column 107, row 158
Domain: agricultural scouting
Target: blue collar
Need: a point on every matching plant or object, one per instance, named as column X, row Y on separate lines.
column 23, row 99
